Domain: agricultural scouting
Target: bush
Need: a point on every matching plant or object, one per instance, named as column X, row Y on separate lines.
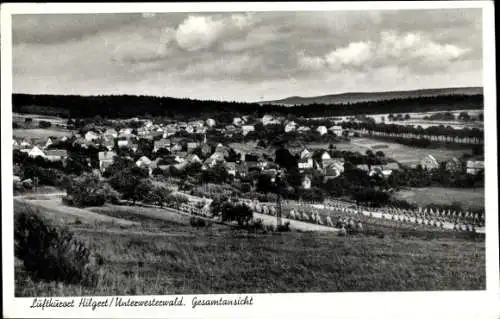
column 284, row 227
column 44, row 124
column 197, row 222
column 52, row 253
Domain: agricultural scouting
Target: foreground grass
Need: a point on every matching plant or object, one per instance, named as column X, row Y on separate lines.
column 234, row 261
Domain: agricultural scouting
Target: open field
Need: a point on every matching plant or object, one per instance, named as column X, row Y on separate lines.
column 171, row 257
column 38, row 117
column 401, row 153
column 468, row 198
column 40, row 133
column 251, row 147
column 56, row 210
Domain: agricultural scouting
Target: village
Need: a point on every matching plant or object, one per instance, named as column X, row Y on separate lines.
column 247, row 169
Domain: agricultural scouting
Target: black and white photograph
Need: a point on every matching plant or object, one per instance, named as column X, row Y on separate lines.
column 248, row 152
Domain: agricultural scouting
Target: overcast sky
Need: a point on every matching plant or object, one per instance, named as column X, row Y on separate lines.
column 246, row 56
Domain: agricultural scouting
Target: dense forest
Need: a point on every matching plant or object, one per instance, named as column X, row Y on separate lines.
column 125, row 106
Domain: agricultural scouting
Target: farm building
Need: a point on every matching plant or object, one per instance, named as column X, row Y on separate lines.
column 429, row 162
column 474, row 167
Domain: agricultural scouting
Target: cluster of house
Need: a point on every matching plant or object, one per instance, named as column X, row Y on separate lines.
column 33, row 149
column 472, row 166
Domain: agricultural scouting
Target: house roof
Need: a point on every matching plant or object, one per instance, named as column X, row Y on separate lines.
column 429, row 156
column 56, row 152
column 145, row 160
column 230, row 165
column 391, row 165
column 162, row 142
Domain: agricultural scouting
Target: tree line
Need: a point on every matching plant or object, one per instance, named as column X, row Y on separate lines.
column 124, row 106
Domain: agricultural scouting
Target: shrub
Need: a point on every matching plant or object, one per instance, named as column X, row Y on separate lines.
column 44, row 124
column 197, row 222
column 284, row 227
column 52, row 253
column 88, row 190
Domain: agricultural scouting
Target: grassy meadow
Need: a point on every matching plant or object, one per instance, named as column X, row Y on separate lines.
column 404, row 154
column 469, row 198
column 40, row 132
column 167, row 255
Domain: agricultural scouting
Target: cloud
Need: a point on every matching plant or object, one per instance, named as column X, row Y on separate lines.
column 355, row 54
column 246, row 54
column 413, row 49
column 198, row 32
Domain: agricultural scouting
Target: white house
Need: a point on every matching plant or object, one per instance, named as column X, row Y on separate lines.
column 305, row 153
column 306, row 182
column 429, row 162
column 210, row 122
column 35, row 151
column 237, row 121
column 325, row 156
column 322, row 130
column 337, row 130
column 49, row 142
column 91, row 136
column 290, row 127
column 105, row 160
column 144, row 161
column 122, row 143
column 214, row 159
column 269, row 119
column 305, row 163
column 247, row 129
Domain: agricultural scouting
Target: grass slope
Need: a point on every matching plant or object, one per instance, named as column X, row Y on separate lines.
column 178, row 259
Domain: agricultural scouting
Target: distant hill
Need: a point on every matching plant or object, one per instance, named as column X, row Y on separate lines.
column 356, row 97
